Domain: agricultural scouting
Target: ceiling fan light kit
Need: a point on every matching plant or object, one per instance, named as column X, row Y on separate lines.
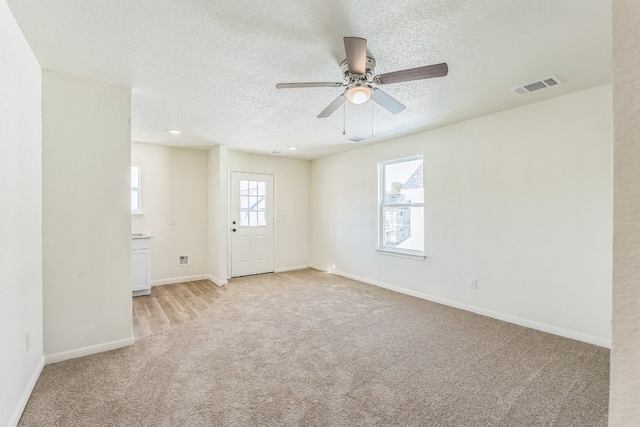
column 358, row 75
column 358, row 93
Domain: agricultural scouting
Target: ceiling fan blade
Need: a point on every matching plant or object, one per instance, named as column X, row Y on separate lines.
column 356, row 50
column 420, row 73
column 332, row 107
column 308, row 84
column 387, row 101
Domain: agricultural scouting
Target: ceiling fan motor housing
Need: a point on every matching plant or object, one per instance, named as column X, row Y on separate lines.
column 371, row 65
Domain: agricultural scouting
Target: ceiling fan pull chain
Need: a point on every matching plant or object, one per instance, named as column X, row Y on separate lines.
column 344, row 119
column 371, row 119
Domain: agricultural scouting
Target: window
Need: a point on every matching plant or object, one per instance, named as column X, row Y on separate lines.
column 136, row 182
column 401, row 207
column 253, row 203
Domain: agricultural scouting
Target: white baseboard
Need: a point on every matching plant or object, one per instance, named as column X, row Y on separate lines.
column 173, row 280
column 85, row 351
column 285, row 269
column 22, row 403
column 218, row 282
column 478, row 310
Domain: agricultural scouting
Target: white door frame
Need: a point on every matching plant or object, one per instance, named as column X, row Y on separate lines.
column 228, row 219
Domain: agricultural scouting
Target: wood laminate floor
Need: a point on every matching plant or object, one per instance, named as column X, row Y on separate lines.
column 170, row 305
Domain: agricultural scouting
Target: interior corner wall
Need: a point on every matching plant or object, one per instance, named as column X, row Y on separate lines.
column 174, row 204
column 520, row 200
column 292, row 201
column 625, row 353
column 20, row 220
column 86, row 157
column 218, row 206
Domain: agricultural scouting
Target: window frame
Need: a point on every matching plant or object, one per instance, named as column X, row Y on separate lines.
column 382, row 248
column 260, row 200
column 137, row 190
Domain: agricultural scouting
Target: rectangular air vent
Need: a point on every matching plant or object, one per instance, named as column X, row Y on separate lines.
column 537, row 85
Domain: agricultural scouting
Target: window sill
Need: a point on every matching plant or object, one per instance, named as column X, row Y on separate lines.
column 137, row 214
column 402, row 254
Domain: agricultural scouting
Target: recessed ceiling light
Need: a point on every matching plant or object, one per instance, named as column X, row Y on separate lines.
column 174, row 131
column 293, row 147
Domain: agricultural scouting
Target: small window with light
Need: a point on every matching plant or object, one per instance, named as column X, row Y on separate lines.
column 136, row 184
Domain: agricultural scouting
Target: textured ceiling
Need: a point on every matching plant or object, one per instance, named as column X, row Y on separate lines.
column 209, row 68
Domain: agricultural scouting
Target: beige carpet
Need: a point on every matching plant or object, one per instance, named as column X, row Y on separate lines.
column 313, row 349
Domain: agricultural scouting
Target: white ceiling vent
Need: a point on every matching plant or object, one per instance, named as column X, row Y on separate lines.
column 354, row 140
column 537, row 85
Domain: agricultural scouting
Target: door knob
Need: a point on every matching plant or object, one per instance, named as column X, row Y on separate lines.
column 234, row 230
column 234, row 223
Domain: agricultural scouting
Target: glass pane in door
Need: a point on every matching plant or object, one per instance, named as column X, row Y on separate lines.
column 253, row 199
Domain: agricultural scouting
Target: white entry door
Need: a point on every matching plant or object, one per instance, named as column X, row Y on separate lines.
column 251, row 225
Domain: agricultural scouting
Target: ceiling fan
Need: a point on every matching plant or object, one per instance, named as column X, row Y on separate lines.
column 359, row 79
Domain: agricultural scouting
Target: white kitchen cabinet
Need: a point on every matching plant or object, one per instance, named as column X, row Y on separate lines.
column 141, row 264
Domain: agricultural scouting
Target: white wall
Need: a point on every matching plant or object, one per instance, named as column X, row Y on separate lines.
column 86, row 153
column 520, row 200
column 218, row 205
column 292, row 201
column 624, row 409
column 174, row 186
column 20, row 220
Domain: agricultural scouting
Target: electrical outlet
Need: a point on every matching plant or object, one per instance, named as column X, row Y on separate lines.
column 473, row 283
column 27, row 339
column 172, row 221
column 183, row 260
